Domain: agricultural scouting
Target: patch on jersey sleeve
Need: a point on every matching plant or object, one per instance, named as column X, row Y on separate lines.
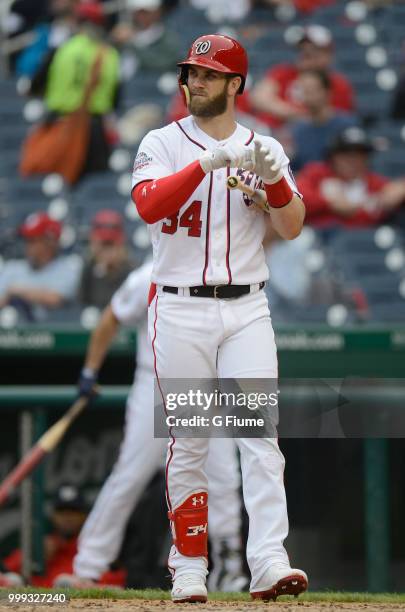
column 142, row 160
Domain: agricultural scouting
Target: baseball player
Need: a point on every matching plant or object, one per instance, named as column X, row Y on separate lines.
column 141, row 455
column 208, row 314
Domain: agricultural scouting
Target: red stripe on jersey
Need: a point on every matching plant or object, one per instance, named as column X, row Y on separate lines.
column 252, row 135
column 152, row 293
column 189, row 137
column 169, row 503
column 207, row 230
column 228, row 228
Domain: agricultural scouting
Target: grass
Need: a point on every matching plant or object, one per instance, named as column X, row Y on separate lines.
column 156, row 594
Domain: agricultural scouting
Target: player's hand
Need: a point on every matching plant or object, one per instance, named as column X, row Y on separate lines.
column 232, row 155
column 266, row 166
column 86, row 385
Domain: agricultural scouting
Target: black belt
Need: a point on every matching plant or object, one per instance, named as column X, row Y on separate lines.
column 216, row 291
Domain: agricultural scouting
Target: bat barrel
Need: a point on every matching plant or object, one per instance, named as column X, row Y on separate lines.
column 17, row 475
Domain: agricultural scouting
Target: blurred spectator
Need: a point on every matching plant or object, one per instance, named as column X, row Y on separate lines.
column 309, row 6
column 223, row 10
column 277, row 97
column 398, row 105
column 311, row 135
column 23, row 15
column 343, row 191
column 146, row 41
column 45, row 278
column 109, row 262
column 48, row 36
column 68, row 514
column 65, row 80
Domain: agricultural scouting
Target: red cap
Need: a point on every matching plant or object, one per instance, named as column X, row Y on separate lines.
column 218, row 52
column 107, row 226
column 40, row 224
column 90, row 11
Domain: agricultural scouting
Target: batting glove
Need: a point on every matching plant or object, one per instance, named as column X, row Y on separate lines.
column 86, row 383
column 266, row 165
column 232, row 155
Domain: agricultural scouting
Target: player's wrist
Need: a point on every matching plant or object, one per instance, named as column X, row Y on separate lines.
column 87, row 382
column 272, row 180
column 89, row 372
column 207, row 161
column 278, row 193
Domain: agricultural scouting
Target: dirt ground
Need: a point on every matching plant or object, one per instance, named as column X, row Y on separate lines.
column 139, row 605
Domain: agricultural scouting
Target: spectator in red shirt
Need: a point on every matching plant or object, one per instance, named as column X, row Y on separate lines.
column 68, row 515
column 277, row 97
column 342, row 191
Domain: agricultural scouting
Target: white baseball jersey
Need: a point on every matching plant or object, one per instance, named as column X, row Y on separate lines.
column 130, row 305
column 214, row 239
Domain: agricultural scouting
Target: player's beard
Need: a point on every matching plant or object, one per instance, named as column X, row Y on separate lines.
column 200, row 106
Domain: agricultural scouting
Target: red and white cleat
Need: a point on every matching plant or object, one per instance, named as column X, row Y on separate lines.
column 281, row 579
column 189, row 588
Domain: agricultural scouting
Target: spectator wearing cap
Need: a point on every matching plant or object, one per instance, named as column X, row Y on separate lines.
column 109, row 261
column 45, row 278
column 147, row 43
column 311, row 135
column 343, row 191
column 64, row 81
column 68, row 513
column 277, row 97
column 48, row 35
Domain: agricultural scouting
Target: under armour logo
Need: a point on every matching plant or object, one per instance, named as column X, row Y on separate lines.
column 153, row 185
column 198, row 500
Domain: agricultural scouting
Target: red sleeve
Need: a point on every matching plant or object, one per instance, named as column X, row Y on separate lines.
column 160, row 198
column 308, row 183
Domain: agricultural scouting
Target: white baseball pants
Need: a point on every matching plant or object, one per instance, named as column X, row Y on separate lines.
column 207, row 338
column 140, row 456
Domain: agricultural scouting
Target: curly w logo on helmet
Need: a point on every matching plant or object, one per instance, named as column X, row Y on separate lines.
column 202, row 47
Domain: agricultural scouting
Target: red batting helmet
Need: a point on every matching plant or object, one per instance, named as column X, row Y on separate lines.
column 217, row 52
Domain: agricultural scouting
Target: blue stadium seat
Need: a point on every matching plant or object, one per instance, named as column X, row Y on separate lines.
column 390, row 129
column 359, row 242
column 355, row 267
column 12, row 136
column 9, row 163
column 390, row 163
column 21, row 190
column 392, row 312
column 67, row 315
column 142, row 87
column 381, row 290
column 314, row 313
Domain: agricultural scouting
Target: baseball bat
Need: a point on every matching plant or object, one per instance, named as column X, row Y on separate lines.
column 47, row 442
column 256, row 195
